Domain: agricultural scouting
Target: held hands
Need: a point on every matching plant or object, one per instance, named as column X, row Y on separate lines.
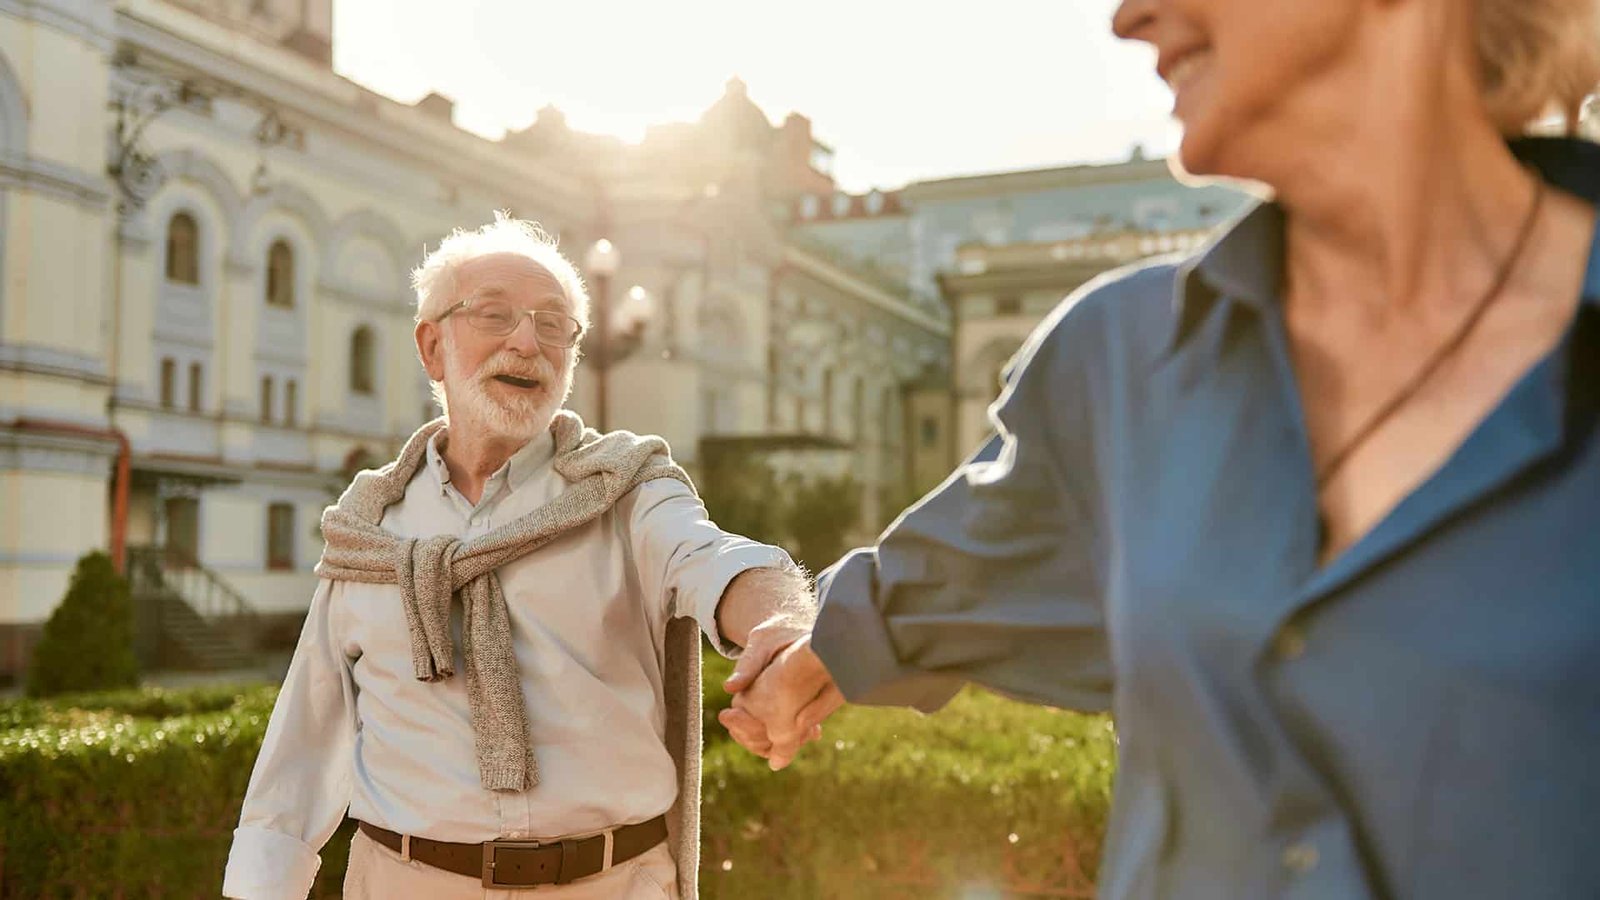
column 782, row 692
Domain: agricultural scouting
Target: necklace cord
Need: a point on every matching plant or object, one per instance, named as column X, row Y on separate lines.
column 1445, row 350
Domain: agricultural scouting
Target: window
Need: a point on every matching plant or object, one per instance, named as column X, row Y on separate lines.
column 799, row 414
column 930, row 432
column 1008, row 305
column 266, row 398
column 827, row 401
column 195, row 386
column 183, row 531
column 858, row 411
column 290, row 399
column 361, row 361
column 708, row 411
column 183, row 250
column 169, row 383
column 280, row 536
column 280, row 275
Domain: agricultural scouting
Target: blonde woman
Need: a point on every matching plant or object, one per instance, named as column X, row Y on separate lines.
column 1316, row 513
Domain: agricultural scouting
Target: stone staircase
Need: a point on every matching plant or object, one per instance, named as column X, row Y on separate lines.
column 186, row 616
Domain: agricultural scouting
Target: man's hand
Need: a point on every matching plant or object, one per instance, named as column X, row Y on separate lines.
column 782, row 694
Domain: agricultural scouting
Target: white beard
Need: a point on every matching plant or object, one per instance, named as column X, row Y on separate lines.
column 518, row 418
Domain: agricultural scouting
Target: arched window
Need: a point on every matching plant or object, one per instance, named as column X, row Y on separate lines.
column 361, row 361
column 280, row 275
column 894, row 425
column 169, row 383
column 196, row 386
column 858, row 411
column 280, row 536
column 827, row 402
column 291, row 397
column 183, row 250
column 266, row 399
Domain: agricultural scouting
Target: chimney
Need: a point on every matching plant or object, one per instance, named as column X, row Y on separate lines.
column 438, row 106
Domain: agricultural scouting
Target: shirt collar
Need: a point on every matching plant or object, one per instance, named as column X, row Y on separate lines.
column 522, row 465
column 1245, row 262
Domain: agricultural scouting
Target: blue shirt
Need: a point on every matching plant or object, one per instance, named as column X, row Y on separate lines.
column 1418, row 718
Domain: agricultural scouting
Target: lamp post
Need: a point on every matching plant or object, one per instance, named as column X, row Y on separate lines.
column 602, row 261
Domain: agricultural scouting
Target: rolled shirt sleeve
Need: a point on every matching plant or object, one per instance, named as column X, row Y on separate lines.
column 685, row 559
column 993, row 577
column 300, row 787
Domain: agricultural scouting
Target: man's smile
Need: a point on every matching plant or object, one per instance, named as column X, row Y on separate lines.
column 518, row 382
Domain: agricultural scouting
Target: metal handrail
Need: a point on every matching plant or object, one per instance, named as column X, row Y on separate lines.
column 173, row 568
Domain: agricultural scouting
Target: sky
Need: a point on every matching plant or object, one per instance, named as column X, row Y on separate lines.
column 902, row 90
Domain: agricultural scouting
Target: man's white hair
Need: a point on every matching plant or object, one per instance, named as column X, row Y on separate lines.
column 435, row 280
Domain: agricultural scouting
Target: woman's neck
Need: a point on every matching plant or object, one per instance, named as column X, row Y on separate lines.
column 1421, row 224
column 1402, row 196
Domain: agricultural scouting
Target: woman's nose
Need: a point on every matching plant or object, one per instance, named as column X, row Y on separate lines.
column 1133, row 19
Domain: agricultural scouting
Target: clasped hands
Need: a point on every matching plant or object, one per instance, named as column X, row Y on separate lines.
column 781, row 692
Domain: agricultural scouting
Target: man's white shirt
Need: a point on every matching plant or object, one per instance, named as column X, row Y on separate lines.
column 354, row 727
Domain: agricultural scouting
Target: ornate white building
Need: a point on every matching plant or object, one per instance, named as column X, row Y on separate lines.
column 205, row 323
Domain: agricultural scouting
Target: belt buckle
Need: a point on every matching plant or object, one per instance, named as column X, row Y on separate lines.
column 489, row 848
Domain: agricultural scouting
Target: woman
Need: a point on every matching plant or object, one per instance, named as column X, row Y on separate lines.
column 1317, row 513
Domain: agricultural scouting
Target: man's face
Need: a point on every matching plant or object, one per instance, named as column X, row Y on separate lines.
column 511, row 385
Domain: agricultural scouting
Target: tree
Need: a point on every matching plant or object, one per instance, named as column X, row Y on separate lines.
column 819, row 517
column 88, row 641
column 741, row 493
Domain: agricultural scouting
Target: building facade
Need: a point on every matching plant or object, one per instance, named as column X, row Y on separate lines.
column 992, row 255
column 205, row 322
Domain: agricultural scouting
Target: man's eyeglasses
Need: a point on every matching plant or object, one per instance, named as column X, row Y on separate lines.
column 499, row 318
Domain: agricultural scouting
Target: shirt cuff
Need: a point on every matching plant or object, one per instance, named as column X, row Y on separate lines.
column 713, row 581
column 269, row 865
column 853, row 641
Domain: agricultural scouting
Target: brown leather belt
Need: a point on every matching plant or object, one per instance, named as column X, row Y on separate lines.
column 527, row 863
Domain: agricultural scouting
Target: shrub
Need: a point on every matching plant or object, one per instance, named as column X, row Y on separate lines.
column 821, row 514
column 88, row 640
column 988, row 796
column 109, row 795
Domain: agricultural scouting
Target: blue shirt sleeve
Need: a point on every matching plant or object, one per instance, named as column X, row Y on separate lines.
column 992, row 578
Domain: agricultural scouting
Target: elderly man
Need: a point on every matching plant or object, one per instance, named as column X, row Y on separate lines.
column 544, row 730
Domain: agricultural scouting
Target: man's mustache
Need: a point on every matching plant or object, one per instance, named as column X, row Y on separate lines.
column 516, row 368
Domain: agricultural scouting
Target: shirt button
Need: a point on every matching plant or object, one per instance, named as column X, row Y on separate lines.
column 1300, row 858
column 1289, row 644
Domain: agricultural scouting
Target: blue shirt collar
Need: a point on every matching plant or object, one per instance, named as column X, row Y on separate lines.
column 1245, row 262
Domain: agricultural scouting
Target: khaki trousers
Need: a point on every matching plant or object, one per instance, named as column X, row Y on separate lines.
column 378, row 873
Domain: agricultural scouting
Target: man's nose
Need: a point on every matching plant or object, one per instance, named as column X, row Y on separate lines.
column 524, row 338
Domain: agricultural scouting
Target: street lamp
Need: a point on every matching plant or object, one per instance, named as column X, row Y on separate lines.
column 602, row 261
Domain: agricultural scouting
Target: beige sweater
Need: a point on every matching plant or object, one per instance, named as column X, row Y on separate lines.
column 600, row 469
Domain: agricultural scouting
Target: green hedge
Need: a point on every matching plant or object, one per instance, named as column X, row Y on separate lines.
column 135, row 794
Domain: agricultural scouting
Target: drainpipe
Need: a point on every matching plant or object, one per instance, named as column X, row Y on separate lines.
column 774, row 373
column 119, row 501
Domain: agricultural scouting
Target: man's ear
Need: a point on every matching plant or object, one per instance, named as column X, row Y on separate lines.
column 430, row 349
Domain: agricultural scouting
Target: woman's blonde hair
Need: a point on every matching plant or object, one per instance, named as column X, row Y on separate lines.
column 1538, row 56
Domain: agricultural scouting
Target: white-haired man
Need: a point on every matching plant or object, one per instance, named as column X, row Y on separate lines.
column 562, row 572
